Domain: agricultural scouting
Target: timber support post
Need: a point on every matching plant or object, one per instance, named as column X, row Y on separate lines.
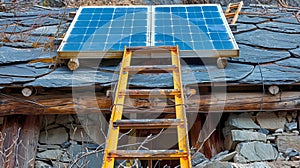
column 18, row 141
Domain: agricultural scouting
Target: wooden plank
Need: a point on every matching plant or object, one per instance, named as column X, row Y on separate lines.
column 19, row 141
column 29, row 136
column 64, row 103
column 195, row 129
column 10, row 140
column 214, row 144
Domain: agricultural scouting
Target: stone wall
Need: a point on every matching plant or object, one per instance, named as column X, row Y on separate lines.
column 264, row 139
column 65, row 139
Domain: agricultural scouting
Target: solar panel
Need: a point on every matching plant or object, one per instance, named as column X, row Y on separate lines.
column 194, row 28
column 107, row 28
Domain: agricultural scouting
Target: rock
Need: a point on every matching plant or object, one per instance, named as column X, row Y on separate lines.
column 217, row 164
column 252, row 165
column 30, row 39
column 290, row 62
column 289, row 152
column 271, row 138
column 80, row 135
column 46, row 147
column 242, row 121
column 272, row 74
column 19, row 45
column 264, row 131
column 270, row 121
column 285, row 142
column 237, row 136
column 269, row 39
column 295, row 52
column 45, row 31
column 49, row 119
column 59, row 164
column 22, row 70
column 244, row 27
column 14, row 55
column 261, row 55
column 54, row 136
column 40, row 164
column 250, row 20
column 66, row 144
column 55, row 3
column 15, row 29
column 295, row 132
column 219, row 155
column 291, row 126
column 77, row 151
column 53, row 155
column 280, row 157
column 64, row 119
column 74, row 149
column 238, row 158
column 40, row 21
column 292, row 20
column 198, row 158
column 280, row 27
column 284, row 164
column 257, row 151
column 227, row 157
column 279, row 130
column 93, row 146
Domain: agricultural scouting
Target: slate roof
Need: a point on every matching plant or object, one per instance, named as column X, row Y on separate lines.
column 269, row 53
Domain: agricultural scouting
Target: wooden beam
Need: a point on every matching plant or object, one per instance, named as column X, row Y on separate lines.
column 195, row 130
column 29, row 136
column 64, row 103
column 214, row 144
column 19, row 140
column 10, row 139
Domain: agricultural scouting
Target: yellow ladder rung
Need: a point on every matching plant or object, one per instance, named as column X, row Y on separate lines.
column 229, row 14
column 233, row 6
column 147, row 123
column 147, row 92
column 151, row 68
column 147, row 154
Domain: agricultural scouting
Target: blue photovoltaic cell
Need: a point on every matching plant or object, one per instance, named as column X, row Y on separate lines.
column 107, row 28
column 191, row 28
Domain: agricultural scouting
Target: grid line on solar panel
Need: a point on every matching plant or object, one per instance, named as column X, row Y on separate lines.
column 193, row 27
column 107, row 28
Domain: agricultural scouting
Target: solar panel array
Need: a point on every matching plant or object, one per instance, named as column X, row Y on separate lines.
column 107, row 28
column 191, row 27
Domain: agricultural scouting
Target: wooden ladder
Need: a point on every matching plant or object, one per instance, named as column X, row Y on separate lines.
column 232, row 12
column 111, row 152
